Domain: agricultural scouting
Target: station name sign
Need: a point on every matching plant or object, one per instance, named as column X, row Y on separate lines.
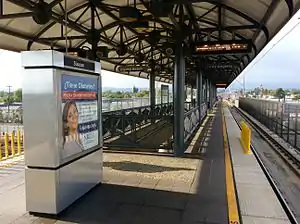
column 78, row 63
column 222, row 47
column 132, row 68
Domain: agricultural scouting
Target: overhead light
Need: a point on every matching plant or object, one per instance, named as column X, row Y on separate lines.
column 102, row 51
column 122, row 50
column 129, row 14
column 42, row 13
column 139, row 57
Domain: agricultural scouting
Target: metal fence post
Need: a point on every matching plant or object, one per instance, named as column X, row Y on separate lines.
column 296, row 128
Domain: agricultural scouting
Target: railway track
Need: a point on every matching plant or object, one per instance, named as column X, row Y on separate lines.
column 288, row 156
column 281, row 171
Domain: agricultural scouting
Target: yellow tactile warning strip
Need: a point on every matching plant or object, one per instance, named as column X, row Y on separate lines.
column 233, row 212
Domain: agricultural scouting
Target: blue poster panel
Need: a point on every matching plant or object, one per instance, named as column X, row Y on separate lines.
column 79, row 114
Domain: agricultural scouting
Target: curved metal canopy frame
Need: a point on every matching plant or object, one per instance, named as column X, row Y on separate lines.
column 202, row 24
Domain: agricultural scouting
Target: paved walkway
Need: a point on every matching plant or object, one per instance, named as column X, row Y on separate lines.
column 141, row 188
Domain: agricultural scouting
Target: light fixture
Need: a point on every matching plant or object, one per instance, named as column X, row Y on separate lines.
column 129, row 14
column 122, row 50
column 139, row 57
column 102, row 51
column 42, row 12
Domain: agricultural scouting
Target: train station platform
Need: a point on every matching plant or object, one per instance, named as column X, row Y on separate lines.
column 214, row 183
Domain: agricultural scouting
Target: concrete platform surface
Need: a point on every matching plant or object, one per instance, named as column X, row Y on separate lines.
column 140, row 188
column 136, row 189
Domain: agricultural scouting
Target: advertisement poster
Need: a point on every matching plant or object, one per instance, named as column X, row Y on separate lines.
column 79, row 114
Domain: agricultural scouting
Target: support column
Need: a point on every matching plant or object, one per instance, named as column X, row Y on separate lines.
column 206, row 91
column 152, row 94
column 179, row 98
column 199, row 89
column 210, row 94
column 152, row 89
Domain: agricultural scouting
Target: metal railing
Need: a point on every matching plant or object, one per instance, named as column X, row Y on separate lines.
column 281, row 118
column 192, row 120
column 112, row 104
column 116, row 123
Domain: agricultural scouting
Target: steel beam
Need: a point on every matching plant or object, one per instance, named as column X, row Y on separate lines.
column 1, row 7
column 264, row 20
column 179, row 81
column 14, row 15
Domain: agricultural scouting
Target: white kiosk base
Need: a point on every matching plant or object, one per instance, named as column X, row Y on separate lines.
column 51, row 191
column 52, row 82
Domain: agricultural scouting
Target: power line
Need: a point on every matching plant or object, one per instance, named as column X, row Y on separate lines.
column 8, row 101
column 258, row 60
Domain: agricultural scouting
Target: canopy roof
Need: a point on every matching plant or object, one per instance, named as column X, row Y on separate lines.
column 255, row 20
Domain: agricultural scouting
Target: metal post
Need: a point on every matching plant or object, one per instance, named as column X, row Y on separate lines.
column 179, row 97
column 94, row 42
column 204, row 90
column 199, row 88
column 152, row 93
column 208, row 93
column 152, row 89
column 1, row 7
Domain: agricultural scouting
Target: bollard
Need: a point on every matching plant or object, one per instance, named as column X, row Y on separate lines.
column 12, row 143
column 19, row 141
column 245, row 138
column 6, row 144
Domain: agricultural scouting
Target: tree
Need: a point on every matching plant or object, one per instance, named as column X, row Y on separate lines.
column 18, row 95
column 297, row 97
column 280, row 93
column 144, row 93
column 134, row 89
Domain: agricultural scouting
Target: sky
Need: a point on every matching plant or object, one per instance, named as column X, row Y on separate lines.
column 278, row 65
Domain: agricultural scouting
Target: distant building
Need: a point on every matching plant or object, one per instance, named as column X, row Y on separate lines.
column 15, row 113
column 12, row 107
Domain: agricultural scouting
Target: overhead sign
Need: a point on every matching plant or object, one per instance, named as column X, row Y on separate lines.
column 221, row 84
column 78, row 63
column 221, row 66
column 132, row 68
column 222, row 47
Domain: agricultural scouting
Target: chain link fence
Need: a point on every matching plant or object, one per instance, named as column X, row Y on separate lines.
column 281, row 118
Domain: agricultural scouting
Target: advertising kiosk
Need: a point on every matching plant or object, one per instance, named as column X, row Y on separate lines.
column 63, row 129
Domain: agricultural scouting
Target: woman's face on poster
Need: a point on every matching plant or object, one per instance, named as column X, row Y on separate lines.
column 72, row 118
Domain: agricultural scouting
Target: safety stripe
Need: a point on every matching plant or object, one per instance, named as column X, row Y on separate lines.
column 233, row 212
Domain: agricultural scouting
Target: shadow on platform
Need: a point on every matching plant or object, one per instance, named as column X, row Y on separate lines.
column 141, row 167
column 197, row 197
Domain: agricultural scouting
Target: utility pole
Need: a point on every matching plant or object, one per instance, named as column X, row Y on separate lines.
column 8, row 101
